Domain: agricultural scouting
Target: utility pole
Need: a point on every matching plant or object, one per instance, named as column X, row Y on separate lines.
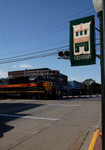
column 99, row 6
column 104, row 24
column 103, row 78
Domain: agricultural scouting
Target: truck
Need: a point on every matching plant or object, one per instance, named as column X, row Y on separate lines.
column 34, row 83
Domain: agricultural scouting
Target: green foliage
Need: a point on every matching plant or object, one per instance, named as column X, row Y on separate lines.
column 88, row 81
column 92, row 87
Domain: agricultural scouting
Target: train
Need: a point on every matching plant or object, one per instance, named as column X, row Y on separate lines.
column 34, row 83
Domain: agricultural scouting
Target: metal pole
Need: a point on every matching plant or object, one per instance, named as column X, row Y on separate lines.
column 103, row 77
column 100, row 15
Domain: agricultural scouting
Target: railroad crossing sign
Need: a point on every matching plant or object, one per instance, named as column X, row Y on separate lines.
column 82, row 47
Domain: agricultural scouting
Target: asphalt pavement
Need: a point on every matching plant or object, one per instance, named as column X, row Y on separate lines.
column 48, row 124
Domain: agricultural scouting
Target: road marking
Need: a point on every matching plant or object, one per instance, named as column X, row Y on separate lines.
column 93, row 141
column 28, row 117
column 45, row 101
column 68, row 105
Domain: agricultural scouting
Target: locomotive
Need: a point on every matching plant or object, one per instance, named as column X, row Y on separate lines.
column 34, row 83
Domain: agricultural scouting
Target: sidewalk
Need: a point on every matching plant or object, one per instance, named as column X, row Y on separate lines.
column 96, row 142
column 98, row 145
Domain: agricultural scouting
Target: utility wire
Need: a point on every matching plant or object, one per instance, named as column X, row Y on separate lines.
column 62, row 47
column 27, row 58
column 57, row 48
column 73, row 15
column 55, row 22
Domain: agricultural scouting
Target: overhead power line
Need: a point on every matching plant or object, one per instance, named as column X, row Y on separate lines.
column 28, row 58
column 61, row 22
column 16, row 1
column 40, row 54
column 74, row 14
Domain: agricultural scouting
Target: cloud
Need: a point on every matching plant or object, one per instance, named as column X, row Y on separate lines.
column 25, row 66
column 3, row 74
column 76, row 79
column 22, row 66
column 14, row 66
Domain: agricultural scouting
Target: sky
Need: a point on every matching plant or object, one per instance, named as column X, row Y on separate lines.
column 37, row 28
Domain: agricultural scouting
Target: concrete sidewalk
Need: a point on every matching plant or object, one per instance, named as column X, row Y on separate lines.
column 98, row 144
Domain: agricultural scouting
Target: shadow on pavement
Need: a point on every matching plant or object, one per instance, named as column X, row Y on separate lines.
column 4, row 128
column 83, row 99
column 12, row 109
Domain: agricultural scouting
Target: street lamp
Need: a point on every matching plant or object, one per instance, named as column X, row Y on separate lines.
column 99, row 9
column 97, row 5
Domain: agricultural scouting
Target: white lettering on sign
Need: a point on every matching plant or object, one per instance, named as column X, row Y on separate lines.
column 82, row 57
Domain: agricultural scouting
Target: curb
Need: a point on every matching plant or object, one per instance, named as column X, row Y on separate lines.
column 93, row 141
column 81, row 96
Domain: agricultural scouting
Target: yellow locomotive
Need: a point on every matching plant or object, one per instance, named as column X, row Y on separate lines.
column 37, row 84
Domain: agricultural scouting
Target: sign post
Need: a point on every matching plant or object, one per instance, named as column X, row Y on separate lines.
column 82, row 49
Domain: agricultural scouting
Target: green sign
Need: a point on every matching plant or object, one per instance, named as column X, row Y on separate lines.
column 82, row 47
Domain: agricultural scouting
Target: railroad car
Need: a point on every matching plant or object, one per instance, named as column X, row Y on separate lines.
column 48, row 85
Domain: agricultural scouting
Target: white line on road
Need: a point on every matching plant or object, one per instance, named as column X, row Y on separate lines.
column 28, row 117
column 69, row 105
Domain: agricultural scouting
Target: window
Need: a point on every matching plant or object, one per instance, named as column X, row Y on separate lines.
column 81, row 32
column 85, row 32
column 77, row 33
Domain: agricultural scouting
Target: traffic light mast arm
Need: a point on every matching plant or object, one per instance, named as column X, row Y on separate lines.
column 67, row 58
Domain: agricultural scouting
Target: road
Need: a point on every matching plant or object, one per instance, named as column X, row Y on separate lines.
column 48, row 124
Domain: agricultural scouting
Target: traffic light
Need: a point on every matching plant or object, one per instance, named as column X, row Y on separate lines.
column 60, row 53
column 66, row 53
column 63, row 55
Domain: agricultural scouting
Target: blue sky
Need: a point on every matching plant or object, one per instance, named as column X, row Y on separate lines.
column 32, row 26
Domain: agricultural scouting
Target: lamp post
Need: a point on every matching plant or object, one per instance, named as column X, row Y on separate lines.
column 98, row 7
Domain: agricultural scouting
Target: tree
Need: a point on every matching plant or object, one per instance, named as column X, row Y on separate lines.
column 95, row 88
column 92, row 87
column 88, row 81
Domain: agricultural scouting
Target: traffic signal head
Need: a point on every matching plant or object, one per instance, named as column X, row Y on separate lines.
column 63, row 55
column 60, row 53
column 66, row 53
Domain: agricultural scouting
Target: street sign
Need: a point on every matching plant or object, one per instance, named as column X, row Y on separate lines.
column 82, row 45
